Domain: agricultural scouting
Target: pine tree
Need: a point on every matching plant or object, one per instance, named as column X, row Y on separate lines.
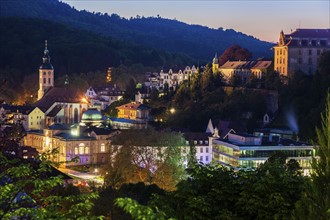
column 315, row 203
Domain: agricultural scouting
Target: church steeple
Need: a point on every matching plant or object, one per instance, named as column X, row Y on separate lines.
column 46, row 73
column 215, row 63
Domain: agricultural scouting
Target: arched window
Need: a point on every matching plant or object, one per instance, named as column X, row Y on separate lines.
column 81, row 148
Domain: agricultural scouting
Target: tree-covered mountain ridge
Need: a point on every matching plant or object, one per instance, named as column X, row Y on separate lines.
column 195, row 40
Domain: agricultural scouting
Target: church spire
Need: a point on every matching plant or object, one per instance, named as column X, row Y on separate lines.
column 46, row 58
column 46, row 73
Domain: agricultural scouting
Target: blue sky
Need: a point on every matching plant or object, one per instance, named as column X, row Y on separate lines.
column 262, row 19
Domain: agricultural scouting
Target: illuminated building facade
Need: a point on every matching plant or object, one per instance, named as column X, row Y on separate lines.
column 54, row 105
column 248, row 151
column 243, row 69
column 300, row 50
column 131, row 115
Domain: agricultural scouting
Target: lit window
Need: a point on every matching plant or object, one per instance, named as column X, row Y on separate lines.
column 102, row 147
column 86, row 150
column 25, row 157
column 81, row 148
column 200, row 142
column 76, row 150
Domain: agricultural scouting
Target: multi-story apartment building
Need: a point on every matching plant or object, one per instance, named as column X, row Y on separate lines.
column 169, row 78
column 300, row 50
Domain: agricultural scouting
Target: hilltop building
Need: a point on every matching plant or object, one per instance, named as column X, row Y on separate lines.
column 243, row 69
column 300, row 50
column 169, row 78
column 46, row 74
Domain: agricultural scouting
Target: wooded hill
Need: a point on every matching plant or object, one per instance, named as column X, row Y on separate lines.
column 195, row 40
column 71, row 50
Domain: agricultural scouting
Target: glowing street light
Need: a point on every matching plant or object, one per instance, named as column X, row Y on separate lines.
column 172, row 110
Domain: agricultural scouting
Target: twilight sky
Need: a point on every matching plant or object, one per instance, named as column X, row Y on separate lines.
column 262, row 19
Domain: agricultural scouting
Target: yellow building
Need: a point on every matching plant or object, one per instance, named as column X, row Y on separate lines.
column 134, row 111
column 244, row 69
column 89, row 144
column 300, row 50
column 131, row 115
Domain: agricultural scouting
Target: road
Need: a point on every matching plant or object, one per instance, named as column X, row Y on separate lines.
column 84, row 176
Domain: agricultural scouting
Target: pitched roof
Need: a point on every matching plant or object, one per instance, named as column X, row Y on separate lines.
column 262, row 64
column 252, row 64
column 99, row 131
column 191, row 136
column 54, row 111
column 133, row 106
column 65, row 95
column 310, row 33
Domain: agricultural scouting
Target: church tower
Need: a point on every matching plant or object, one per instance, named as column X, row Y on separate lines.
column 215, row 64
column 46, row 74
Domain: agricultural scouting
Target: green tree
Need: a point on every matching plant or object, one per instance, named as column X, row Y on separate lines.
column 315, row 203
column 148, row 156
column 28, row 190
column 271, row 191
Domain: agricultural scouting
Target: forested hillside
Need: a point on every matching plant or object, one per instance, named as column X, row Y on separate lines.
column 172, row 35
column 71, row 50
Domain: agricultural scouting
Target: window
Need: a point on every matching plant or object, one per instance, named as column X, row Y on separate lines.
column 81, row 148
column 207, row 150
column 48, row 80
column 86, row 150
column 200, row 142
column 206, row 142
column 299, row 52
column 318, row 52
column 76, row 150
column 44, row 80
column 195, row 142
column 201, row 158
column 310, row 61
column 207, row 158
column 102, row 147
column 201, row 150
column 299, row 60
column 49, row 73
column 309, row 52
column 44, row 73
